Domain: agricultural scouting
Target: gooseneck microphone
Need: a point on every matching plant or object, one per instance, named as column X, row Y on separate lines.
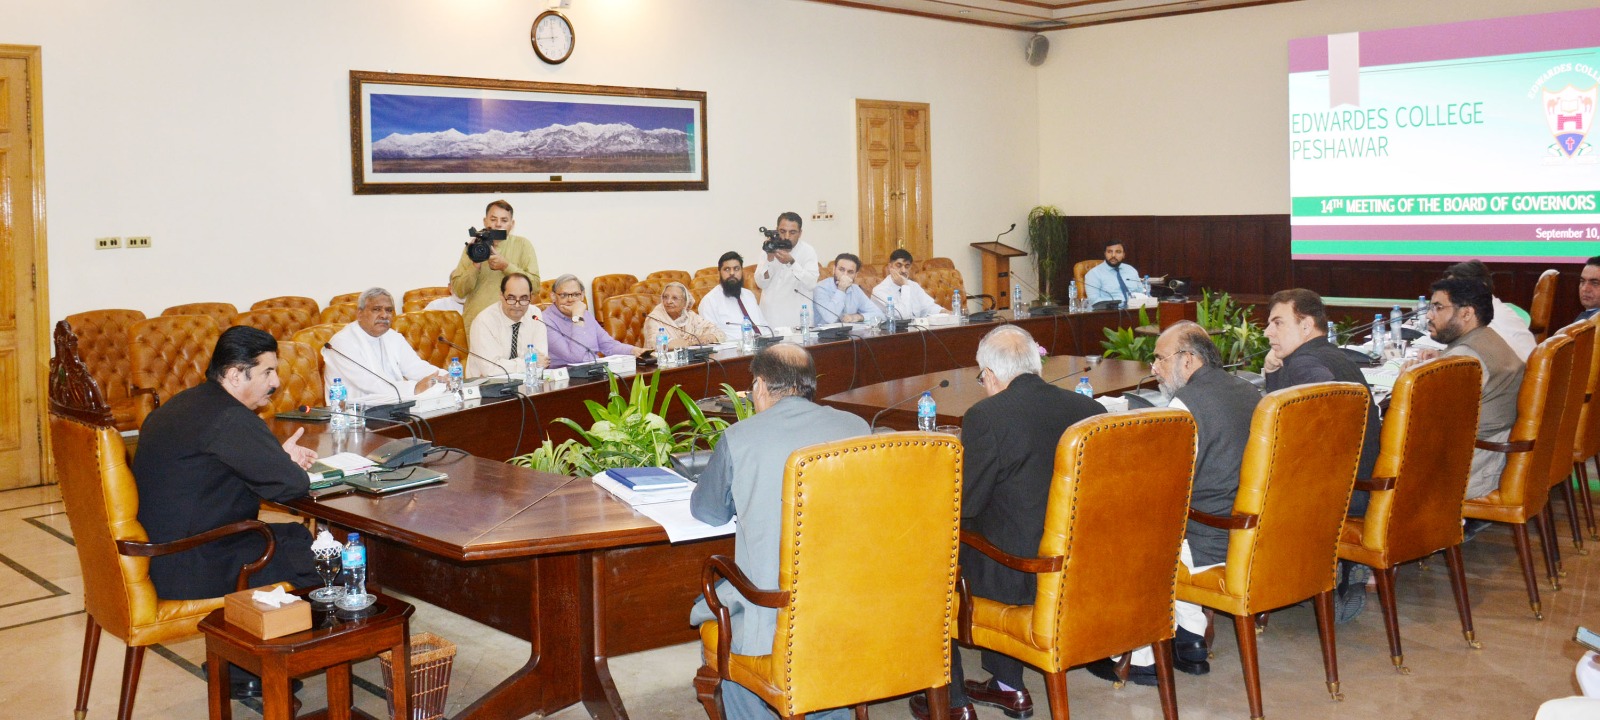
column 1007, row 232
column 510, row 383
column 697, row 338
column 817, row 305
column 593, row 353
column 398, row 409
column 392, row 454
column 874, row 424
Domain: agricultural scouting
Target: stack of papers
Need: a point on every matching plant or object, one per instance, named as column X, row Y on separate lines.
column 668, row 507
column 328, row 471
column 648, row 479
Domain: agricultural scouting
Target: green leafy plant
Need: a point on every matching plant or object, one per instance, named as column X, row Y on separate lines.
column 1241, row 340
column 1047, row 240
column 1344, row 329
column 1124, row 344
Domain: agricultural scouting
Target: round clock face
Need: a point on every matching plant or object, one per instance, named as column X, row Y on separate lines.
column 552, row 37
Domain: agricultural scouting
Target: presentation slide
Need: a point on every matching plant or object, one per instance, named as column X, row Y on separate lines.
column 1448, row 142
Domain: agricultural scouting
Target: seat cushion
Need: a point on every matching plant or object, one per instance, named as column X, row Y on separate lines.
column 1210, row 588
column 1008, row 629
column 1490, row 507
column 753, row 673
column 1351, row 547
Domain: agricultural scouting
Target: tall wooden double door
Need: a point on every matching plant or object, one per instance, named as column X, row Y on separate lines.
column 24, row 347
column 895, row 177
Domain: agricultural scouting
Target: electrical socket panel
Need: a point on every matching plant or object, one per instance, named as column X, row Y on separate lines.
column 138, row 241
column 822, row 216
column 107, row 243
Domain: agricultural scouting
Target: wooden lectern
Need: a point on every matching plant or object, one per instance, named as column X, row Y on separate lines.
column 997, row 271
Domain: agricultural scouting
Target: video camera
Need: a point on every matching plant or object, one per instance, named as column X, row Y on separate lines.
column 773, row 243
column 482, row 243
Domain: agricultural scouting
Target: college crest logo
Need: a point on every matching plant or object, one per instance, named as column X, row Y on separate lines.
column 1569, row 112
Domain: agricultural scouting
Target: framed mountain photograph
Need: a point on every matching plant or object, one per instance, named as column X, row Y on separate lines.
column 436, row 134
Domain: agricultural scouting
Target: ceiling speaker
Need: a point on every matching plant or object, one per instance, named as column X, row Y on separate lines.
column 1037, row 50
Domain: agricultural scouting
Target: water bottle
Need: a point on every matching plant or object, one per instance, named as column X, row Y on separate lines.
column 1084, row 388
column 889, row 316
column 1072, row 296
column 1396, row 323
column 955, row 303
column 661, row 346
column 337, row 394
column 805, row 322
column 1379, row 334
column 1144, row 287
column 1420, row 322
column 747, row 337
column 532, row 376
column 354, row 559
column 456, row 374
column 927, row 412
column 1018, row 310
column 1333, row 335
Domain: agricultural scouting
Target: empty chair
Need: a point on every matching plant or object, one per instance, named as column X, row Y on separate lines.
column 299, row 378
column 316, row 336
column 1583, row 339
column 1588, row 440
column 220, row 312
column 623, row 317
column 345, row 299
column 423, row 329
column 338, row 313
column 289, row 301
column 169, row 355
column 1108, row 557
column 282, row 322
column 547, row 294
column 938, row 262
column 703, row 284
column 103, row 343
column 852, row 646
column 605, row 286
column 707, row 271
column 750, row 281
column 1544, row 300
column 418, row 299
column 666, row 276
column 1420, row 476
column 648, row 286
column 940, row 284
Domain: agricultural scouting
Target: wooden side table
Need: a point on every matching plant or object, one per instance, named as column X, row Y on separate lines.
column 331, row 644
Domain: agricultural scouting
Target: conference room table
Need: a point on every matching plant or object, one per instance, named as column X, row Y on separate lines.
column 558, row 561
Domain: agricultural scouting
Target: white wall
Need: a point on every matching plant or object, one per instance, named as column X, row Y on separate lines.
column 1188, row 115
column 220, row 130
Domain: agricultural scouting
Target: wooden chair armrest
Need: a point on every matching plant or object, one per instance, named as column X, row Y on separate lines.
column 723, row 566
column 1020, row 564
column 1231, row 522
column 146, row 549
column 1375, row 484
column 964, row 610
column 1515, row 446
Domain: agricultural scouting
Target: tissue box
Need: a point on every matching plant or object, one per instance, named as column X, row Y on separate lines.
column 265, row 621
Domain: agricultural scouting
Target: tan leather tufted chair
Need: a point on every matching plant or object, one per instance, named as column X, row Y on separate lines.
column 345, row 299
column 938, row 262
column 649, row 287
column 222, row 313
column 547, row 293
column 703, row 284
column 1544, row 300
column 103, row 340
column 418, row 299
column 750, row 281
column 1294, row 486
column 623, row 317
column 1079, row 270
column 316, row 336
column 102, row 503
column 282, row 322
column 299, row 378
column 1583, row 339
column 1524, row 484
column 1588, row 441
column 708, row 272
column 1426, row 456
column 939, row 283
column 666, row 276
column 295, row 302
column 168, row 355
column 422, row 331
column 835, row 572
column 605, row 286
column 1105, row 584
column 868, row 278
column 340, row 313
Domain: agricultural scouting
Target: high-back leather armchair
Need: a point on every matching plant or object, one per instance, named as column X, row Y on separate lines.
column 299, row 378
column 345, row 299
column 649, row 286
column 1525, row 482
column 750, row 281
column 938, row 262
column 623, row 317
column 837, row 642
column 103, row 341
column 294, row 302
column 102, row 504
column 169, row 354
column 340, row 313
column 1583, row 339
column 1588, row 440
column 712, row 271
column 605, row 286
column 1294, row 487
column 1417, row 484
column 1079, row 270
column 282, row 322
column 547, row 293
column 703, row 284
column 316, row 336
column 1105, row 583
column 1544, row 300
column 666, row 276
column 868, row 278
column 418, row 299
column 220, row 312
column 939, row 283
column 422, row 331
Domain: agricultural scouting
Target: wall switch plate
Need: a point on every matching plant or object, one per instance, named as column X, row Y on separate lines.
column 107, row 243
column 138, row 241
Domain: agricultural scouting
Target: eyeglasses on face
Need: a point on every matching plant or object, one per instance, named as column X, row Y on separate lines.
column 569, row 295
column 1436, row 308
column 1162, row 359
column 517, row 299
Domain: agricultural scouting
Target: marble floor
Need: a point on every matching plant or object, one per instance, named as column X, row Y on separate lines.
column 1523, row 662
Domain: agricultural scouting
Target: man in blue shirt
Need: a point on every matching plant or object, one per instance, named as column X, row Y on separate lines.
column 1113, row 279
column 840, row 299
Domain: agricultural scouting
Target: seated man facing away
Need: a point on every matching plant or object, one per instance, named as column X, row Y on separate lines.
column 1189, row 368
column 1507, row 323
column 575, row 336
column 685, row 327
column 840, row 299
column 501, row 335
column 1009, row 440
column 910, row 300
column 376, row 363
column 745, row 478
column 1112, row 280
column 731, row 304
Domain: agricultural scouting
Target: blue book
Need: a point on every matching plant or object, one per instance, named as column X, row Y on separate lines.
column 647, row 479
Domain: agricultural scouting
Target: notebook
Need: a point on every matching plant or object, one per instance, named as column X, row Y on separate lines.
column 385, row 482
column 648, row 479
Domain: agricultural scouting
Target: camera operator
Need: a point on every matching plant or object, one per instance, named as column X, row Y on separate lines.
column 479, row 280
column 788, row 274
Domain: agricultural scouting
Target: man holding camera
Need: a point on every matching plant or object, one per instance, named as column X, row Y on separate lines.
column 788, row 274
column 478, row 279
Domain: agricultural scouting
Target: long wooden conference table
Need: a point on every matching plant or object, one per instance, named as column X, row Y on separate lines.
column 559, row 562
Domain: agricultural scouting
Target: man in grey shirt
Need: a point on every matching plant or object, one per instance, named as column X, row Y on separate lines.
column 745, row 479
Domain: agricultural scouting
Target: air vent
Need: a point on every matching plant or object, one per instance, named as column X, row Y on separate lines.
column 1046, row 24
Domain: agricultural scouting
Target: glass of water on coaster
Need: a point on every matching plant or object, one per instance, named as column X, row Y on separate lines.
column 326, row 551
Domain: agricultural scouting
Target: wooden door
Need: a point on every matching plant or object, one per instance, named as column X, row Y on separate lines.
column 894, row 178
column 23, row 353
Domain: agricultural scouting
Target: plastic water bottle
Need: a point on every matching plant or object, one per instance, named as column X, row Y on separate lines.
column 1084, row 388
column 747, row 336
column 927, row 412
column 337, row 394
column 889, row 316
column 1018, row 310
column 1379, row 334
column 1421, row 320
column 1144, row 287
column 456, row 374
column 1333, row 335
column 661, row 346
column 532, row 376
column 354, row 559
column 805, row 322
column 1072, row 296
column 955, row 303
column 1396, row 323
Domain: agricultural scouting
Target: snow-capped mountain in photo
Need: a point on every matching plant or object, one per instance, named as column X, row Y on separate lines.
column 577, row 140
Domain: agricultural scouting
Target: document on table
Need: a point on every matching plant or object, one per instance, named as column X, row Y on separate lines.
column 1383, row 377
column 669, row 508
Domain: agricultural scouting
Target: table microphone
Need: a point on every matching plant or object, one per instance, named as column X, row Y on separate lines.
column 593, row 353
column 400, row 406
column 499, row 388
column 1007, row 232
column 395, row 453
column 874, row 424
column 685, row 331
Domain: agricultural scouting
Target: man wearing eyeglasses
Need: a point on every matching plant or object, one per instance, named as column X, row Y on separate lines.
column 1589, row 288
column 504, row 336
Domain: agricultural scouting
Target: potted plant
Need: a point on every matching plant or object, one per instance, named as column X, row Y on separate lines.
column 1047, row 240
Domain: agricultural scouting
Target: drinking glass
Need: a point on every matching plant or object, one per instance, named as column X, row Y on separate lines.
column 1394, row 350
column 328, row 565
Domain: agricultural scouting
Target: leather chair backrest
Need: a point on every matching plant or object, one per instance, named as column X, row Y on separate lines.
column 605, row 286
column 102, row 504
column 938, row 262
column 282, row 322
column 289, row 301
column 648, row 286
column 222, row 313
column 418, row 299
column 623, row 317
column 750, row 278
column 868, row 278
column 1588, row 444
column 317, row 335
column 299, row 378
column 1079, row 270
column 701, row 285
column 1544, row 300
column 1119, row 526
column 337, row 313
column 547, row 293
column 103, row 343
column 422, row 331
column 1582, row 334
column 1299, row 469
column 169, row 354
column 666, row 276
column 872, row 605
column 1525, row 480
column 708, row 272
column 1428, row 436
column 939, row 283
column 345, row 299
